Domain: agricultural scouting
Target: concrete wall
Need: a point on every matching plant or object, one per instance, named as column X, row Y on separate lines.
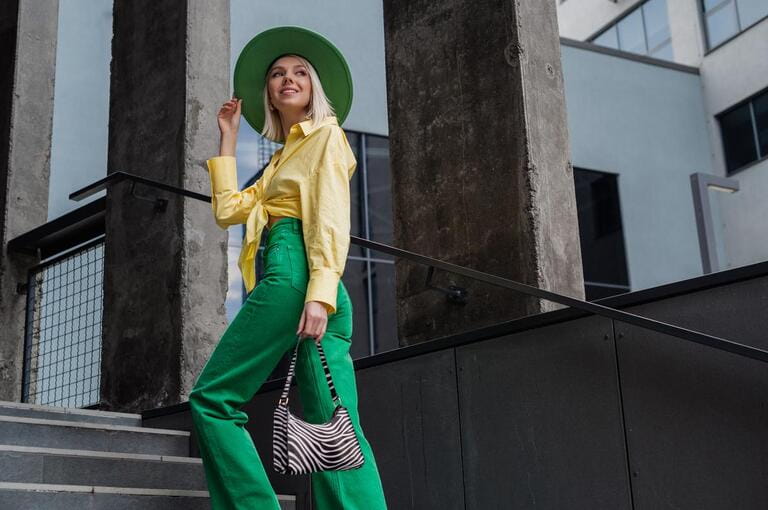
column 647, row 124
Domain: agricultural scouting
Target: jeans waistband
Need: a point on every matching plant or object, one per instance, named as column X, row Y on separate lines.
column 287, row 225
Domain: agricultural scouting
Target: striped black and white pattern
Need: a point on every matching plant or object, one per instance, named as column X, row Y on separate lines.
column 300, row 447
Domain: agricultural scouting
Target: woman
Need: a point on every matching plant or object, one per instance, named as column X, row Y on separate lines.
column 294, row 87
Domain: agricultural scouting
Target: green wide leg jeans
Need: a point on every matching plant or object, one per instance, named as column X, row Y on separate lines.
column 263, row 330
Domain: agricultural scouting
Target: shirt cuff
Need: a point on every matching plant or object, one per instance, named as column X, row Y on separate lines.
column 223, row 172
column 323, row 286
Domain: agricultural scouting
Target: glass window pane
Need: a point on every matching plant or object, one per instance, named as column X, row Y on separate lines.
column 664, row 52
column 356, row 283
column 738, row 137
column 631, row 34
column 656, row 24
column 721, row 24
column 357, row 207
column 379, row 193
column 760, row 105
column 384, row 306
column 609, row 38
column 751, row 10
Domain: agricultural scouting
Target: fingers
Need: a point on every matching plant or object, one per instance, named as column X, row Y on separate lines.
column 233, row 105
column 313, row 322
column 301, row 322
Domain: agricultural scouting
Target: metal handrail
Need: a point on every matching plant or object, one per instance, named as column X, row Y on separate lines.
column 587, row 306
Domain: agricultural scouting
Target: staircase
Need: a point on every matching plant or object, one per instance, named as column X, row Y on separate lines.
column 67, row 458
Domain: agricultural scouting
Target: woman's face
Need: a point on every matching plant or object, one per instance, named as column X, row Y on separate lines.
column 289, row 85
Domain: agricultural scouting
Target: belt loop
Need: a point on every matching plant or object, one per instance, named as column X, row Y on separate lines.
column 296, row 226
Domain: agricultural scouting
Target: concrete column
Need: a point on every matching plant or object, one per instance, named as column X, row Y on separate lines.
column 166, row 277
column 480, row 158
column 28, row 31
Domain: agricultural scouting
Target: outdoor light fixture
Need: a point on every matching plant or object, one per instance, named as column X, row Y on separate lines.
column 701, row 183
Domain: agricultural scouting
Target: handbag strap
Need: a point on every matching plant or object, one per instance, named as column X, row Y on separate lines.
column 286, row 388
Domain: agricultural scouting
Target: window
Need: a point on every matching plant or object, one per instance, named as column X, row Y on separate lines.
column 644, row 30
column 726, row 18
column 744, row 129
column 601, row 234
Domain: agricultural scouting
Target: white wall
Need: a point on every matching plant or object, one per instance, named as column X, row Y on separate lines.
column 647, row 124
column 731, row 73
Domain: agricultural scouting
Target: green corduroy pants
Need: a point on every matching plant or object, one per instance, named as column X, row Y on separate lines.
column 263, row 330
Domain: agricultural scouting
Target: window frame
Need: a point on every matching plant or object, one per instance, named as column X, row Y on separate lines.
column 718, row 117
column 705, row 27
column 614, row 23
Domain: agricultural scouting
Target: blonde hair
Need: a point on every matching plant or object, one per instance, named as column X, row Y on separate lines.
column 319, row 105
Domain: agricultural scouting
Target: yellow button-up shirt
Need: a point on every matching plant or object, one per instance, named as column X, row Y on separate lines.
column 308, row 178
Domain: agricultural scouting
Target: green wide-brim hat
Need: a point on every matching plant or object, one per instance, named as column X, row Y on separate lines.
column 266, row 47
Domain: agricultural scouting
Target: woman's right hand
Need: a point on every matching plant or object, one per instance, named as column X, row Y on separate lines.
column 229, row 116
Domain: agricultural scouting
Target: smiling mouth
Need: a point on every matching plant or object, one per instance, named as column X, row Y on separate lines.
column 289, row 92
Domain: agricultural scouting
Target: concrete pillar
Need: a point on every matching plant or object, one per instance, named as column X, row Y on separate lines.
column 28, row 31
column 480, row 159
column 166, row 276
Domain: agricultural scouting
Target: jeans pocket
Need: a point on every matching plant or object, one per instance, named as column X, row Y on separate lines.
column 273, row 257
column 299, row 268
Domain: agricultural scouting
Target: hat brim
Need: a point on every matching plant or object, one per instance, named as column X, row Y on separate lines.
column 256, row 57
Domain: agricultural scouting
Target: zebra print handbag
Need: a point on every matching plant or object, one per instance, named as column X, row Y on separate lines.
column 300, row 447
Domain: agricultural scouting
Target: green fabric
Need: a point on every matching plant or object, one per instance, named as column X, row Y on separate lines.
column 260, row 334
column 261, row 51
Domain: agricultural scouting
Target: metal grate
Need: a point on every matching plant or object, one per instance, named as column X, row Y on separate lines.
column 62, row 341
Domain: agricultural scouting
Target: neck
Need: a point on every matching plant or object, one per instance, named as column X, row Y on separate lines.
column 288, row 119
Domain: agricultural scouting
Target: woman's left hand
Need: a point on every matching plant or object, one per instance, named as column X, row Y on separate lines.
column 313, row 321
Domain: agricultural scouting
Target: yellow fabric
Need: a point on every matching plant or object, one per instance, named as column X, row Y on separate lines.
column 308, row 178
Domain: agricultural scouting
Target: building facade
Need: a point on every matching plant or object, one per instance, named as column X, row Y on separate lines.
column 726, row 41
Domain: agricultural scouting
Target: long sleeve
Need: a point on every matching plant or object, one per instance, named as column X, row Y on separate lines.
column 230, row 206
column 325, row 211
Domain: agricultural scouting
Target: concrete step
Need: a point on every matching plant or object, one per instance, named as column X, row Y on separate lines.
column 68, row 413
column 30, row 464
column 22, row 431
column 35, row 496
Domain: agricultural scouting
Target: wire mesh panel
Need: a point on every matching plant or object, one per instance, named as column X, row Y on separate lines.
column 62, row 344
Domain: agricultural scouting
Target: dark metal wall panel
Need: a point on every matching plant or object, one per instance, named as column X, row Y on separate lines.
column 697, row 417
column 408, row 410
column 540, row 420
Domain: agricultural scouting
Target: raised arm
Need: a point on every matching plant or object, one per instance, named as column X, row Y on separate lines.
column 325, row 211
column 230, row 205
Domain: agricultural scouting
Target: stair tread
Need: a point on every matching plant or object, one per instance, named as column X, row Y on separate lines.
column 66, row 410
column 136, row 491
column 98, row 454
column 90, row 425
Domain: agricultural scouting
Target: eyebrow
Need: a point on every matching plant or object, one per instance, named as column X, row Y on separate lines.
column 281, row 67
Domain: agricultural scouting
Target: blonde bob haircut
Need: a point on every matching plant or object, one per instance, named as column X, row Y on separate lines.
column 318, row 109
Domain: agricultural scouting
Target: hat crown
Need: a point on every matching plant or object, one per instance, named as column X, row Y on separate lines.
column 265, row 48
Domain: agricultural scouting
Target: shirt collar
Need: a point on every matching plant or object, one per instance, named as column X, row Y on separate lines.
column 306, row 126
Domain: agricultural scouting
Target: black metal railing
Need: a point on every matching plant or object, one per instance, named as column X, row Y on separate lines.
column 587, row 306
